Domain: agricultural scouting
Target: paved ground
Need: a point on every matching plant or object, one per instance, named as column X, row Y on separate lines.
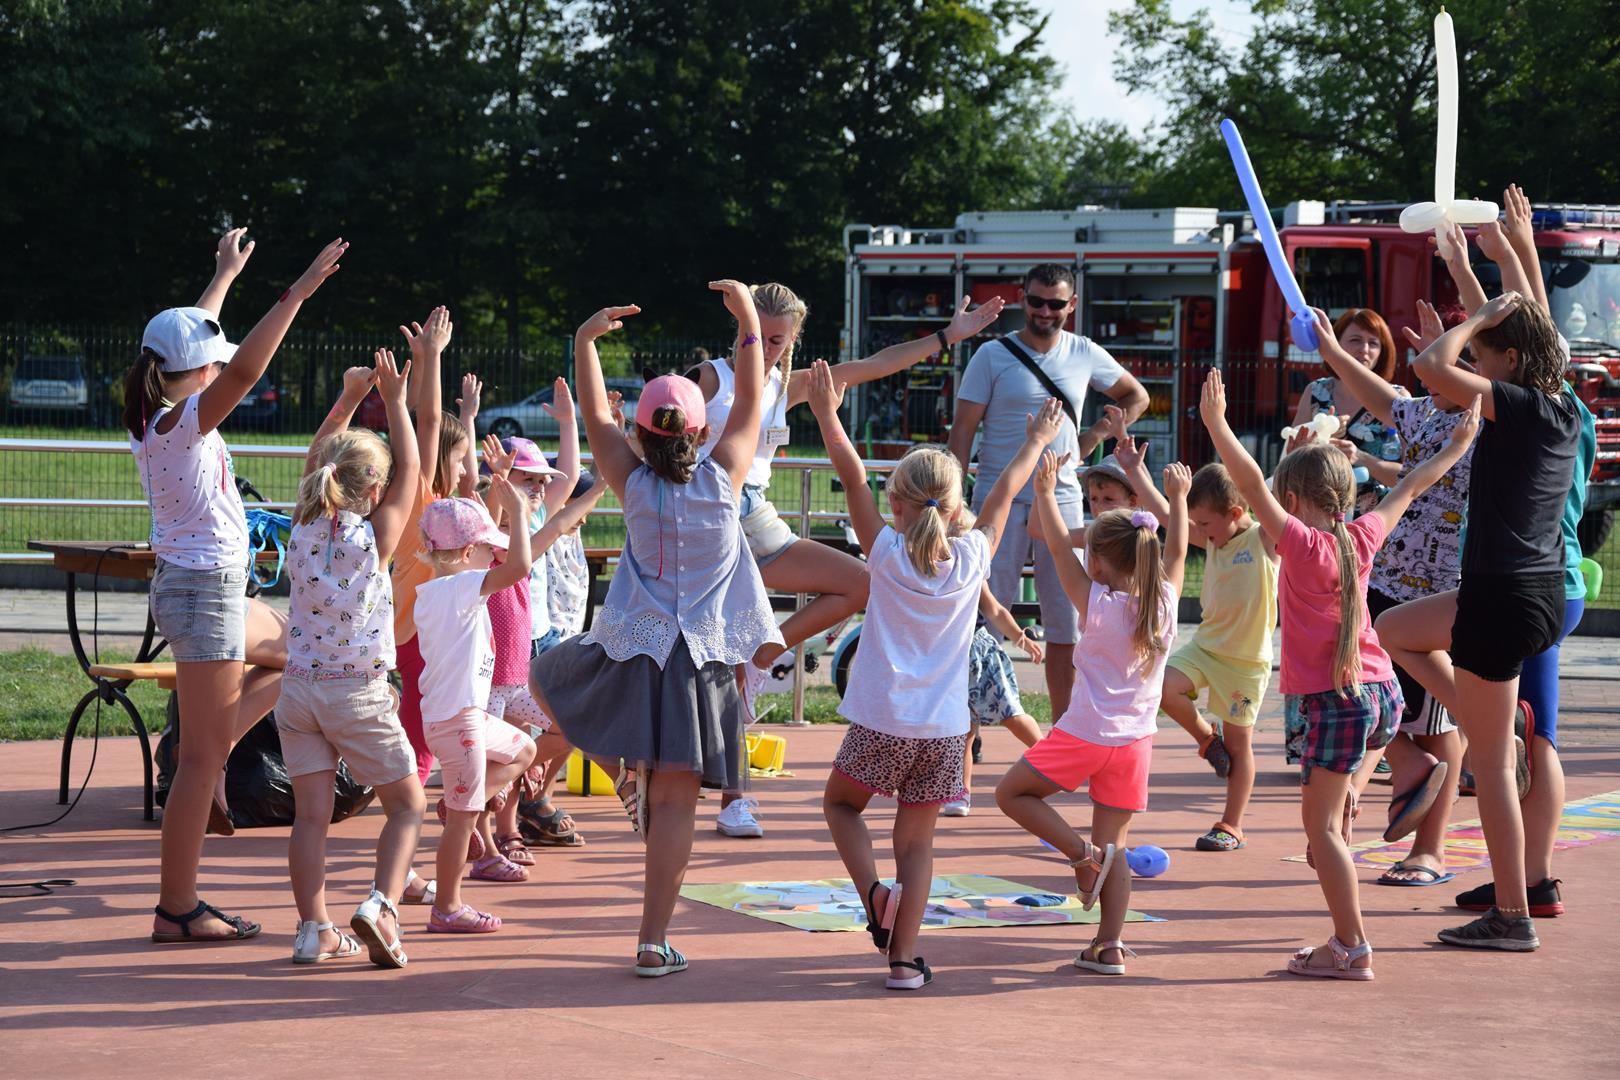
column 81, row 992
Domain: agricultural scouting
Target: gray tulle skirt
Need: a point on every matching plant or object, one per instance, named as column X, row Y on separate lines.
column 680, row 716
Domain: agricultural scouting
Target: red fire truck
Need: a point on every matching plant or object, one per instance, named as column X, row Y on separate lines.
column 1171, row 292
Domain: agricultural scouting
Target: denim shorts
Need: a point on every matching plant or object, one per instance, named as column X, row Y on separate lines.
column 767, row 534
column 202, row 613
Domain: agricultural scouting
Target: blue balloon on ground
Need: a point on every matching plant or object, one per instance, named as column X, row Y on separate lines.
column 1145, row 860
column 1302, row 326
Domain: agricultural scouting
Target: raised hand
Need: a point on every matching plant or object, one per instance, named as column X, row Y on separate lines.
column 1429, row 330
column 515, row 502
column 1212, row 401
column 1497, row 310
column 391, row 381
column 1046, row 472
column 1044, row 426
column 230, row 257
column 964, row 324
column 1493, row 242
column 1345, row 447
column 498, row 459
column 472, row 390
column 561, row 406
column 1114, row 424
column 357, row 380
column 738, row 297
column 1177, row 481
column 606, row 321
column 616, row 408
column 1130, row 454
column 1516, row 205
column 1463, row 434
column 324, row 266
column 432, row 338
column 825, row 395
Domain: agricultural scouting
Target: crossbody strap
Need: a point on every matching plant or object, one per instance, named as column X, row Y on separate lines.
column 1051, row 387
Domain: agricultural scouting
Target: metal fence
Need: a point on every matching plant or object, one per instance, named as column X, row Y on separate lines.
column 47, row 492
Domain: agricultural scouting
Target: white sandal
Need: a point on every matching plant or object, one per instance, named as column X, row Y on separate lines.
column 1098, row 948
column 1342, row 958
column 430, row 892
column 307, row 944
column 673, row 960
column 1089, row 900
column 365, row 924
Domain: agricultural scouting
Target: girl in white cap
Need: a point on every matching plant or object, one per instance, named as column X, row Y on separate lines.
column 186, row 381
column 686, row 606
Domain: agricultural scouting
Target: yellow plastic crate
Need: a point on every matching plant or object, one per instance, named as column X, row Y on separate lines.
column 767, row 751
column 578, row 768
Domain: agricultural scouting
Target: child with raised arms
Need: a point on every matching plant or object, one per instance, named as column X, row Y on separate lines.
column 907, row 700
column 1125, row 593
column 1339, row 688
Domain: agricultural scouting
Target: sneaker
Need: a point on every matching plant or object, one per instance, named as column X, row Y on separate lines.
column 1524, row 729
column 957, row 807
column 1492, row 931
column 978, row 750
column 737, row 819
column 754, row 679
column 1545, row 901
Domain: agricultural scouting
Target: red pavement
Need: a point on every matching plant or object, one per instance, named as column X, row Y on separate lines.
column 82, row 993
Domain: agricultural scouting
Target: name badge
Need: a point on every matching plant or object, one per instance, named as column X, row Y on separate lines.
column 776, row 436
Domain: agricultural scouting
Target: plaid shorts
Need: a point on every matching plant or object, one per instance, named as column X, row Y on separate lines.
column 1332, row 732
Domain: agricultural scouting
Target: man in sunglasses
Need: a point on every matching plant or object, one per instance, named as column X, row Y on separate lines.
column 999, row 390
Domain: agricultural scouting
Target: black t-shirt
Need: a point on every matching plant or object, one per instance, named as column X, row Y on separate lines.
column 1524, row 461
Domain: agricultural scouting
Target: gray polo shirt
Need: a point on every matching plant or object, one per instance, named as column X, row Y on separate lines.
column 1011, row 393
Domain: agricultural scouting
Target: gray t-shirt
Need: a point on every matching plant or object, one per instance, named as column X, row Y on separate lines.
column 1011, row 393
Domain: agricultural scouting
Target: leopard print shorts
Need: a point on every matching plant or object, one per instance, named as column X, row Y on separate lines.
column 914, row 771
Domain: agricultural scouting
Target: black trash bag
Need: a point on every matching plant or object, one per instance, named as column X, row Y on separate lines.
column 256, row 783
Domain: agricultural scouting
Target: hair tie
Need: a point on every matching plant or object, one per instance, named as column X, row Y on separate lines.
column 1144, row 519
column 329, row 468
column 932, row 502
column 1338, row 515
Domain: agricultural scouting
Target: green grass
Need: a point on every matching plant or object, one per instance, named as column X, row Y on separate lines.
column 41, row 688
column 821, row 706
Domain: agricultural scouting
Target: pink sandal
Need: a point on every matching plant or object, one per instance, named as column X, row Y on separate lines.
column 497, row 868
column 1342, row 959
column 466, row 920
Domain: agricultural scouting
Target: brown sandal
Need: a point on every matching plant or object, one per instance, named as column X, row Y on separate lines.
column 514, row 849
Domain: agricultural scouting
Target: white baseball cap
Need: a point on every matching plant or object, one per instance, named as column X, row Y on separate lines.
column 187, row 338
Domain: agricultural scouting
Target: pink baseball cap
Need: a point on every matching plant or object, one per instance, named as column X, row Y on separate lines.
column 527, row 457
column 676, row 391
column 448, row 524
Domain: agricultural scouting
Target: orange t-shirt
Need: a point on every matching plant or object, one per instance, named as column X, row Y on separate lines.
column 408, row 571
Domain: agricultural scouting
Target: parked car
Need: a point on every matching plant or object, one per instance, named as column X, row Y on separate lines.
column 260, row 409
column 50, row 384
column 528, row 419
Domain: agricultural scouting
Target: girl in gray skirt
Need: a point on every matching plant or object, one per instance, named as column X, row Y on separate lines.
column 654, row 682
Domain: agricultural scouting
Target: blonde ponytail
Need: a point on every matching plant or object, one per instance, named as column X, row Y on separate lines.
column 1129, row 540
column 931, row 480
column 352, row 464
column 1347, row 653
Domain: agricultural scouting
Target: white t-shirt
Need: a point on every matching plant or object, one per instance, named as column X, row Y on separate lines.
column 1116, row 695
column 197, row 516
column 1011, row 393
column 773, row 429
column 539, row 586
column 910, row 674
column 458, row 647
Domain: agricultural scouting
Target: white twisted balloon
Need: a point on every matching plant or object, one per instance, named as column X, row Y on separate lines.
column 1446, row 210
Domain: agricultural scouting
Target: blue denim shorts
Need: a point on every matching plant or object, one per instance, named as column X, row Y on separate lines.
column 202, row 613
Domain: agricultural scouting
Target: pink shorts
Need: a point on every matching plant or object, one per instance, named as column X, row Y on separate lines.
column 465, row 745
column 1118, row 775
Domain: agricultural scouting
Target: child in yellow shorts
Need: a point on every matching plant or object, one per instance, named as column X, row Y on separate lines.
column 1230, row 654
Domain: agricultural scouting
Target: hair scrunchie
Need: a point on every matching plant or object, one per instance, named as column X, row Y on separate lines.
column 1144, row 519
column 932, row 502
column 329, row 468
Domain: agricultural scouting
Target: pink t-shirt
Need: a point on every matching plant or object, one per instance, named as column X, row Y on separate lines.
column 1308, row 605
column 509, row 625
column 1116, row 693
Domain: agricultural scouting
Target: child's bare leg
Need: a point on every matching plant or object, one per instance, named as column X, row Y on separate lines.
column 967, row 758
column 1179, row 704
column 914, row 870
column 452, row 859
column 1239, row 742
column 842, row 804
column 306, row 849
column 403, row 803
column 1022, row 796
column 1322, row 798
column 1110, row 826
column 1024, row 728
column 672, row 806
column 1429, row 842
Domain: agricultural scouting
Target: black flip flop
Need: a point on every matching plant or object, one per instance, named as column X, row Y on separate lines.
column 1414, row 804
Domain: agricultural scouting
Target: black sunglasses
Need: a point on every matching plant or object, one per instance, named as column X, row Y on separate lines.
column 1052, row 303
